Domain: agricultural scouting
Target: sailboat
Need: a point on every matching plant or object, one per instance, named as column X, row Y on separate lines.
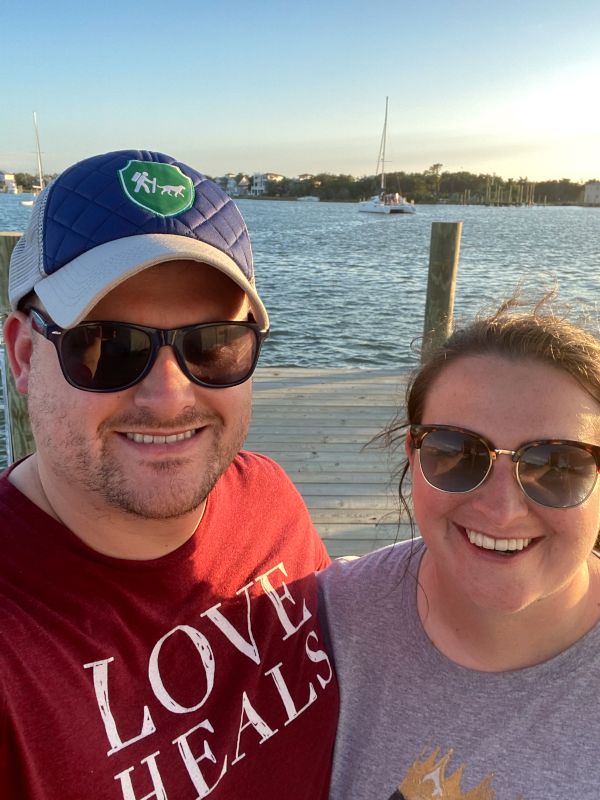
column 37, row 188
column 385, row 202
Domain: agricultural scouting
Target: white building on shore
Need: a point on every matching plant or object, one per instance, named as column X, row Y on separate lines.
column 8, row 183
column 260, row 180
column 591, row 193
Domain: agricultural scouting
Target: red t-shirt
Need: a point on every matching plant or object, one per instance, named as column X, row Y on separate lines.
column 199, row 674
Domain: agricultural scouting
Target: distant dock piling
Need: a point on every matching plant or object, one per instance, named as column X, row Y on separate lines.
column 444, row 255
column 19, row 441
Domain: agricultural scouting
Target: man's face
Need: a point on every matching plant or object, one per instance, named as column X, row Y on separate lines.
column 88, row 447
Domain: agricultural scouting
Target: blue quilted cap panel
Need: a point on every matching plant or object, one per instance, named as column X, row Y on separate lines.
column 101, row 199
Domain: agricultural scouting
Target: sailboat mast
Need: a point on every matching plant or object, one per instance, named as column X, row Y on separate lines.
column 383, row 138
column 39, row 154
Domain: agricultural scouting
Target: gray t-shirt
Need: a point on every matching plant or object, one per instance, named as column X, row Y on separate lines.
column 415, row 725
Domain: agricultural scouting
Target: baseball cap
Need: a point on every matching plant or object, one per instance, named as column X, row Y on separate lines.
column 111, row 216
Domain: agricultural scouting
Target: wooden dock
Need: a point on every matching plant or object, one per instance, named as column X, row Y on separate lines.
column 315, row 423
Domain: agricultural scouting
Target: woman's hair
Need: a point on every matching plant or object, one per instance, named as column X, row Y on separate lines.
column 516, row 331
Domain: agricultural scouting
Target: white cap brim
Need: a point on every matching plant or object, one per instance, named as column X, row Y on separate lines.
column 70, row 293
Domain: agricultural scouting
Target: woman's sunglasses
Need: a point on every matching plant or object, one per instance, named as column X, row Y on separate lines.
column 557, row 473
column 112, row 356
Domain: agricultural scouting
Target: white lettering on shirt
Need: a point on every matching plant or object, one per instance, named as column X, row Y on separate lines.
column 127, row 786
column 100, row 675
column 316, row 656
column 248, row 648
column 277, row 600
column 255, row 721
column 203, row 647
column 191, row 763
column 288, row 703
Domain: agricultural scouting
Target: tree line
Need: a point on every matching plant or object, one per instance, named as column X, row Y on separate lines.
column 29, row 182
column 431, row 186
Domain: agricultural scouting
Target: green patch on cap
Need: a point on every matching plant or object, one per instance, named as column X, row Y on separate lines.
column 160, row 188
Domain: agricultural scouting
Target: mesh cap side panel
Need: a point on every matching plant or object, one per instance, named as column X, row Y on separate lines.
column 27, row 261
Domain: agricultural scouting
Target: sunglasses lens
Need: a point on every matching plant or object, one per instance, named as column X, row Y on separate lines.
column 453, row 461
column 220, row 355
column 112, row 356
column 557, row 475
column 104, row 357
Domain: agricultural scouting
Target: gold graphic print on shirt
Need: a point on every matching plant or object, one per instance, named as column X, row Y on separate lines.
column 426, row 779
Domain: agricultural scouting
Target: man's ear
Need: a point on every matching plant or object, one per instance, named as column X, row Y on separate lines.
column 19, row 346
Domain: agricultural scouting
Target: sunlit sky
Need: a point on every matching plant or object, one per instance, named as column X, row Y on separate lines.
column 509, row 87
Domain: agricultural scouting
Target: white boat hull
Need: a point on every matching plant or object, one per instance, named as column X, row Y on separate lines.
column 386, row 202
column 389, row 205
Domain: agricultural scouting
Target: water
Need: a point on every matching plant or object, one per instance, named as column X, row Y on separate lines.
column 346, row 289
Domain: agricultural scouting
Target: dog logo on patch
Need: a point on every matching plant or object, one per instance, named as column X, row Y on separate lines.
column 162, row 189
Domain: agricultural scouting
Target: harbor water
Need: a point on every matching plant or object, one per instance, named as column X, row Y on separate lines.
column 346, row 289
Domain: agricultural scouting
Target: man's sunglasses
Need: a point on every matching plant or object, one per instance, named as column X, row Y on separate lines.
column 557, row 473
column 111, row 356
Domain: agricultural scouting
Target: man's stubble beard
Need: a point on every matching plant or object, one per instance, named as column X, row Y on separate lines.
column 172, row 495
column 179, row 488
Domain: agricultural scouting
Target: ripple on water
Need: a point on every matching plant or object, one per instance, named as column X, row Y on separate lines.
column 348, row 289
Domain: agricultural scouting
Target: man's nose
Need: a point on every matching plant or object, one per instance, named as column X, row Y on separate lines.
column 166, row 387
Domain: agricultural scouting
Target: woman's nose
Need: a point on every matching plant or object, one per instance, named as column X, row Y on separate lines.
column 500, row 497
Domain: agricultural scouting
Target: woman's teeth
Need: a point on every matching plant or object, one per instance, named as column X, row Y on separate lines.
column 146, row 438
column 500, row 545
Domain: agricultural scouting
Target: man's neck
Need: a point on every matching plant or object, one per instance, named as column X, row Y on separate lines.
column 105, row 529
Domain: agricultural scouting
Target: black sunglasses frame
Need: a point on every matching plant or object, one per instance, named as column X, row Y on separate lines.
column 159, row 337
column 419, row 432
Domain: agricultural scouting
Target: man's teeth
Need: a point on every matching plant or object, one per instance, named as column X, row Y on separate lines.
column 502, row 545
column 146, row 438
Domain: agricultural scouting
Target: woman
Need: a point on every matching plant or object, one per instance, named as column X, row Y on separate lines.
column 467, row 659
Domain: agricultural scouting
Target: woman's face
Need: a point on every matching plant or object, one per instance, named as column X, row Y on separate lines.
column 510, row 403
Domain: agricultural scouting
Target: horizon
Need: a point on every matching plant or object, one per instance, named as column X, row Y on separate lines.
column 503, row 91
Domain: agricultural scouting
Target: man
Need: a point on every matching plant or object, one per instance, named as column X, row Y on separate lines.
column 157, row 597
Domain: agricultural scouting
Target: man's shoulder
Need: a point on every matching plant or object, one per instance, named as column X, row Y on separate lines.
column 13, row 499
column 250, row 467
column 248, row 459
column 256, row 496
column 255, row 479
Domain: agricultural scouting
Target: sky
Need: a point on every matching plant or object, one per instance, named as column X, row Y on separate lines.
column 505, row 87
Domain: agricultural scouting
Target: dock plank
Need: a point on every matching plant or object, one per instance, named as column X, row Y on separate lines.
column 317, row 424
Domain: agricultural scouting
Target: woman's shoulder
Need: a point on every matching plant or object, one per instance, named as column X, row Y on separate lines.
column 352, row 575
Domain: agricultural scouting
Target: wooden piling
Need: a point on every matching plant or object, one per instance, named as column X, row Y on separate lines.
column 19, row 440
column 444, row 254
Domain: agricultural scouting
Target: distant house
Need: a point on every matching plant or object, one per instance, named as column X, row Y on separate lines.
column 8, row 182
column 260, row 180
column 233, row 187
column 243, row 187
column 259, row 184
column 591, row 193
